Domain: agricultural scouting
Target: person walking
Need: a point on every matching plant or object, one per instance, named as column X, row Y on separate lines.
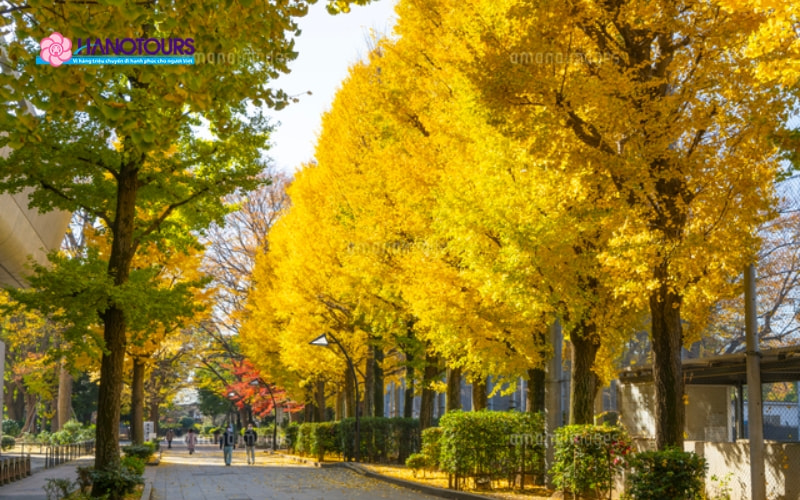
column 191, row 441
column 170, row 436
column 228, row 443
column 250, row 438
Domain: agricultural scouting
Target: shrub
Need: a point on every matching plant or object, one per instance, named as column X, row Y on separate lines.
column 381, row 438
column 292, row 431
column 432, row 446
column 134, row 464
column 7, row 443
column 324, row 439
column 84, row 477
column 57, row 489
column 669, row 474
column 405, row 437
column 482, row 445
column 140, row 451
column 11, row 428
column 116, row 483
column 303, row 444
column 155, row 443
column 417, row 462
column 43, row 437
column 587, row 458
column 72, row 432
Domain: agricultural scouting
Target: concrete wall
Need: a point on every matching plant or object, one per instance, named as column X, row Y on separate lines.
column 729, row 463
column 709, row 413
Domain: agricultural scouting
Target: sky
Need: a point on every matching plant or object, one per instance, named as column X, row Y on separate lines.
column 327, row 48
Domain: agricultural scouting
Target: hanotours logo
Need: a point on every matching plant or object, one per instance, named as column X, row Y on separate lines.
column 136, row 46
column 57, row 49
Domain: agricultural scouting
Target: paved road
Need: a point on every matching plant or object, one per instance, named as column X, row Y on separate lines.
column 203, row 476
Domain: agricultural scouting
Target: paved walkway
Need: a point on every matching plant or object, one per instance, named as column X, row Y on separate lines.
column 203, row 476
column 32, row 487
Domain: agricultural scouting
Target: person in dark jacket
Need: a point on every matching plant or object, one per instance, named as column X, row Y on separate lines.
column 170, row 436
column 228, row 443
column 250, row 438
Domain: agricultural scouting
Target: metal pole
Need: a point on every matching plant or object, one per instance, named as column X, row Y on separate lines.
column 739, row 412
column 275, row 409
column 755, row 425
column 355, row 384
column 553, row 410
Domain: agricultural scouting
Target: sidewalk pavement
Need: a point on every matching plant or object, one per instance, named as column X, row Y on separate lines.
column 204, row 476
column 32, row 487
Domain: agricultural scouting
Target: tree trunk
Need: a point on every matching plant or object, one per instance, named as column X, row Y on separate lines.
column 154, row 414
column 667, row 336
column 319, row 395
column 408, row 394
column 480, row 400
column 14, row 401
column 64, row 410
column 584, row 381
column 349, row 394
column 137, row 401
column 377, row 386
column 309, row 412
column 109, row 398
column 453, row 401
column 339, row 405
column 534, row 397
column 123, row 248
column 52, row 409
column 369, row 383
column 428, row 395
column 30, row 413
column 152, row 390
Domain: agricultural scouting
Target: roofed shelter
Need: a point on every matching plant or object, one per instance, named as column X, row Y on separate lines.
column 715, row 419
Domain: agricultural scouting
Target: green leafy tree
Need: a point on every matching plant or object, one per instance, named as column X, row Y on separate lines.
column 121, row 143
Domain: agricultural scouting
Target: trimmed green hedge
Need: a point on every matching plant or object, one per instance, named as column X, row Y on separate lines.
column 292, row 431
column 428, row 458
column 490, row 445
column 588, row 457
column 382, row 439
column 141, row 451
column 303, row 443
column 324, row 439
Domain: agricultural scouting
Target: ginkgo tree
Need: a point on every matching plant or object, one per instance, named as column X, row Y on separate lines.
column 120, row 142
column 658, row 98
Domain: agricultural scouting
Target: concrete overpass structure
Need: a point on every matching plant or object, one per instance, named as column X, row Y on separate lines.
column 26, row 234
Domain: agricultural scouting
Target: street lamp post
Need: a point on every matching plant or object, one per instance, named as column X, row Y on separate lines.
column 322, row 340
column 258, row 381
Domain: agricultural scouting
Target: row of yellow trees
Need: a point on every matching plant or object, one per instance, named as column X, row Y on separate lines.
column 501, row 165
